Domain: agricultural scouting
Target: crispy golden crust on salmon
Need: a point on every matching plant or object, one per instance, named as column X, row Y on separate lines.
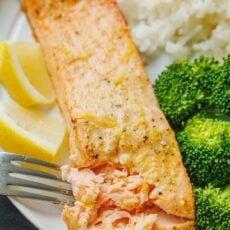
column 107, row 100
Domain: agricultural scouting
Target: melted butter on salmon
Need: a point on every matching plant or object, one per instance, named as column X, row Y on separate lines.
column 113, row 119
column 106, row 121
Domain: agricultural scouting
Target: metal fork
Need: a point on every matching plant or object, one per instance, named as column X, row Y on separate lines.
column 19, row 179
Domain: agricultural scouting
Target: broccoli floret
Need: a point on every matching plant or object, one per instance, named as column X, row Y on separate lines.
column 212, row 208
column 205, row 147
column 216, row 86
column 185, row 88
column 178, row 92
column 223, row 92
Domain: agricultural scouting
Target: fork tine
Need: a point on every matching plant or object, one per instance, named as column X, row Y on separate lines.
column 27, row 171
column 69, row 201
column 8, row 158
column 31, row 184
column 15, row 157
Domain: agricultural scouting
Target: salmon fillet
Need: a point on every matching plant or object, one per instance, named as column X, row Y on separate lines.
column 125, row 164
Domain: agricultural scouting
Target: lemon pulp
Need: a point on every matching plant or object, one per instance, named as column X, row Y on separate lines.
column 30, row 132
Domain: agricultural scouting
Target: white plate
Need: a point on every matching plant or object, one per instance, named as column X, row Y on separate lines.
column 14, row 27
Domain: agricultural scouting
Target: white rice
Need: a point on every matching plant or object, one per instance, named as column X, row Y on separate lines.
column 181, row 28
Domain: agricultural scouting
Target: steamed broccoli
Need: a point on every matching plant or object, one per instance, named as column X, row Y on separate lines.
column 185, row 90
column 205, row 147
column 212, row 208
column 186, row 87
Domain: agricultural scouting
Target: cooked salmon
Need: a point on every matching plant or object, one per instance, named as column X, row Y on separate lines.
column 125, row 166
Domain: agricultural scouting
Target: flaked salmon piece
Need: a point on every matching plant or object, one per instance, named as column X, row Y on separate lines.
column 112, row 113
column 100, row 192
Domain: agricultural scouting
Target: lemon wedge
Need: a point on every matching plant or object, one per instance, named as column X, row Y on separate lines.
column 30, row 132
column 23, row 73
